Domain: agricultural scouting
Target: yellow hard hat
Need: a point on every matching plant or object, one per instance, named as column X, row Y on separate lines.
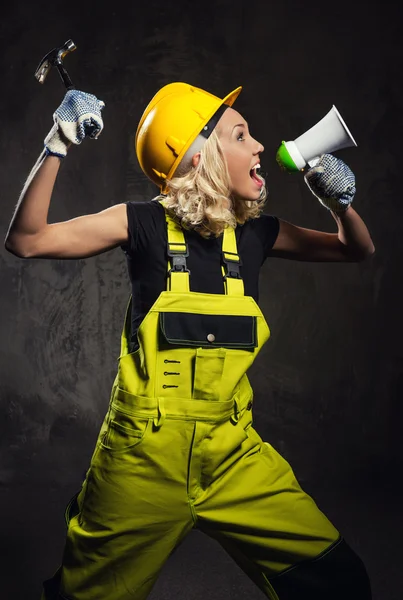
column 173, row 119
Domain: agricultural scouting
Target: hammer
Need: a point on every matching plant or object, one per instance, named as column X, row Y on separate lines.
column 54, row 58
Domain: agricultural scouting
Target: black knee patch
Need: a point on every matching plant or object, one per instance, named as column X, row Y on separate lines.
column 336, row 573
column 51, row 586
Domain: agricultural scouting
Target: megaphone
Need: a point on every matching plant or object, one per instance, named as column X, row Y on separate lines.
column 330, row 134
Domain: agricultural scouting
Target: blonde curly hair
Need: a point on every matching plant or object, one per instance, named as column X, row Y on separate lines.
column 199, row 197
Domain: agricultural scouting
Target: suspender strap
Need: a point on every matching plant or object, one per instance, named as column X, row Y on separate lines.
column 178, row 273
column 233, row 283
column 126, row 333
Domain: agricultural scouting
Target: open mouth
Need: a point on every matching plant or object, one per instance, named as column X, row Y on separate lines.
column 255, row 177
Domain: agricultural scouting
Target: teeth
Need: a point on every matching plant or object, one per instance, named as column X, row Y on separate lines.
column 256, row 167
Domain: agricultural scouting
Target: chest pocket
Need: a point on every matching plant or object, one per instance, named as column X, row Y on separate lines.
column 209, row 331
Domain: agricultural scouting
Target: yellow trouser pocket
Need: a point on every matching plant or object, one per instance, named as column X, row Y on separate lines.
column 209, row 365
column 124, row 431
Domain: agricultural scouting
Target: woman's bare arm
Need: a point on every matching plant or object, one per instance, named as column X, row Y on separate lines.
column 30, row 235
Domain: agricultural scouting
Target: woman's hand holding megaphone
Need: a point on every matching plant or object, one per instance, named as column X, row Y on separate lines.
column 332, row 182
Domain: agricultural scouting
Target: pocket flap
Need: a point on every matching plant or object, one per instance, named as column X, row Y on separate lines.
column 201, row 330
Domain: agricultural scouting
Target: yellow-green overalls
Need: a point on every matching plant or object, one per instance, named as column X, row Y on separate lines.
column 177, row 450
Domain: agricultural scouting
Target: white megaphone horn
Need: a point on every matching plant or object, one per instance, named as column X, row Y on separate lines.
column 330, row 134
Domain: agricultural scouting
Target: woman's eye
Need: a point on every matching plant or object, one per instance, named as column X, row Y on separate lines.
column 241, row 136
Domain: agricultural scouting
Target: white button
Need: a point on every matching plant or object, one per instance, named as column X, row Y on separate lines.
column 211, row 337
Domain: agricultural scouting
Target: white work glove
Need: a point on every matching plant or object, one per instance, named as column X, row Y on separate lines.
column 77, row 117
column 332, row 182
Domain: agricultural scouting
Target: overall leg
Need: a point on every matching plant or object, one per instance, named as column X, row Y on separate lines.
column 253, row 505
column 131, row 513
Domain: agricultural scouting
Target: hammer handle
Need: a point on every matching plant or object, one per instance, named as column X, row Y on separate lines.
column 64, row 75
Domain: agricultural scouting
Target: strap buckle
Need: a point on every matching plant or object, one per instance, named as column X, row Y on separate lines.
column 232, row 266
column 179, row 265
column 178, row 259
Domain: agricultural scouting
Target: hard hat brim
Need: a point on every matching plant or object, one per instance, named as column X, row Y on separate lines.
column 230, row 99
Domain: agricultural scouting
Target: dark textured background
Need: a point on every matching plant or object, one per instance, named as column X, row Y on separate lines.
column 328, row 384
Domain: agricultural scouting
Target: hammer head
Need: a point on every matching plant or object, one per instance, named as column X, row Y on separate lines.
column 54, row 57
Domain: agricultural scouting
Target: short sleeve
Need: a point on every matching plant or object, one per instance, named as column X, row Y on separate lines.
column 144, row 221
column 266, row 228
column 130, row 246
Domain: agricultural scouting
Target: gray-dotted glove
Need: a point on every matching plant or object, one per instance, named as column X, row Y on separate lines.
column 77, row 117
column 332, row 182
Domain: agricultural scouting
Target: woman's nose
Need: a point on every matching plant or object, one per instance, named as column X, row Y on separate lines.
column 259, row 148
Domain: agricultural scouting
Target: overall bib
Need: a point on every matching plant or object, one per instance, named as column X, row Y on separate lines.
column 177, row 450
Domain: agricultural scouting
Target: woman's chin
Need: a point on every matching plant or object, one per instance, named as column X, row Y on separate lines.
column 253, row 197
column 246, row 196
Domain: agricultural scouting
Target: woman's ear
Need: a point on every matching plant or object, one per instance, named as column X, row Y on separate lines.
column 195, row 159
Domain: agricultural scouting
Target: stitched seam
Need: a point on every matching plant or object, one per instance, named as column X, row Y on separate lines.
column 272, row 591
column 310, row 560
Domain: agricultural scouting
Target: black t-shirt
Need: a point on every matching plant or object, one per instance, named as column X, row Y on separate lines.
column 147, row 258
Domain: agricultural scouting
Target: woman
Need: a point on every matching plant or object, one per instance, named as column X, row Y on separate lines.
column 177, row 448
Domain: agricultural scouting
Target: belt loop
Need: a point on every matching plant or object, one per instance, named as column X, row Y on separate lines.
column 235, row 417
column 158, row 421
